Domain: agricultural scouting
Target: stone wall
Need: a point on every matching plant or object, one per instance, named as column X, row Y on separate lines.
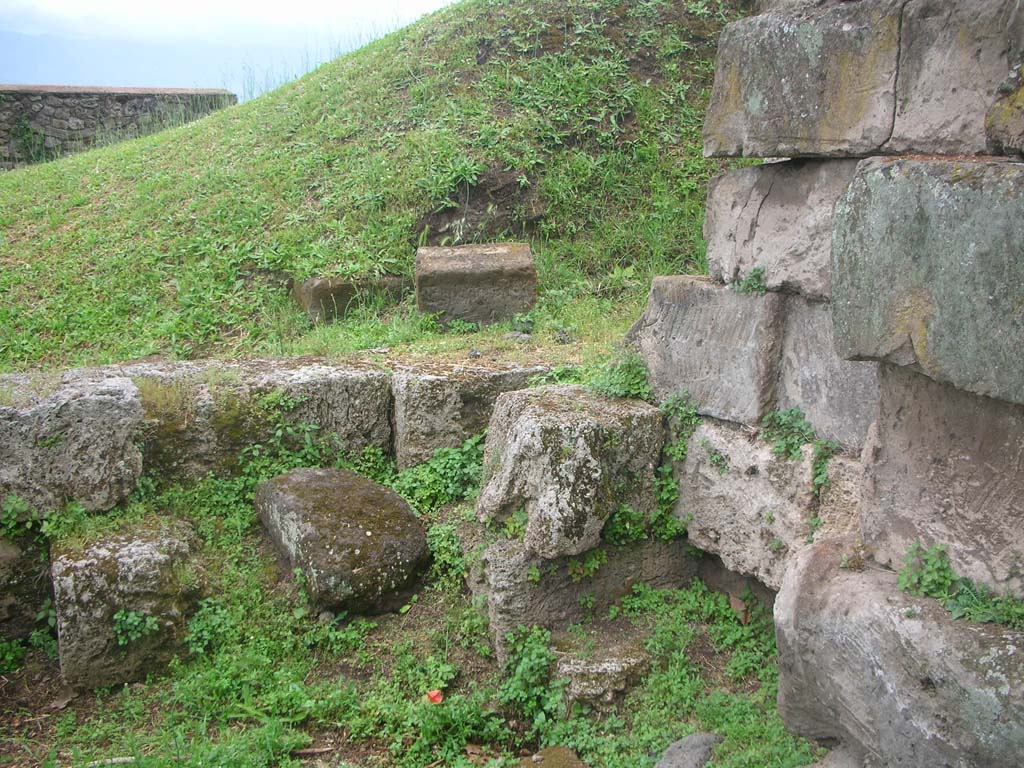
column 871, row 274
column 42, row 122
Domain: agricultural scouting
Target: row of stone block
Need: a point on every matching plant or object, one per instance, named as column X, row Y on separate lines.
column 481, row 284
column 922, row 259
column 88, row 436
column 853, row 79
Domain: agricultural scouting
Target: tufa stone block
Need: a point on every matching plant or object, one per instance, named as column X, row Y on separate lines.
column 476, row 283
column 838, row 397
column 777, row 217
column 328, row 299
column 928, row 271
column 944, row 467
column 719, row 345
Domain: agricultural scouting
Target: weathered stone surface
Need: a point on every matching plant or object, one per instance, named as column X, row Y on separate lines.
column 69, row 439
column 1004, row 122
column 501, row 578
column 200, row 416
column 441, row 405
column 893, row 678
column 750, row 507
column 692, row 752
column 944, row 467
column 359, row 545
column 840, row 398
column 719, row 345
column 928, row 271
column 777, row 217
column 476, row 283
column 568, row 459
column 600, row 675
column 327, row 299
column 145, row 569
column 783, row 81
column 953, row 57
column 24, row 585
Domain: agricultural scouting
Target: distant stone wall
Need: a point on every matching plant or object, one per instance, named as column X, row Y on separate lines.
column 42, row 122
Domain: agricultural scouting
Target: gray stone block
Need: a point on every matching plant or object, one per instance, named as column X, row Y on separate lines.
column 440, row 405
column 944, row 467
column 777, row 217
column 715, row 343
column 692, row 752
column 328, row 299
column 928, row 271
column 839, row 398
column 476, row 283
column 784, row 81
column 893, row 679
column 752, row 508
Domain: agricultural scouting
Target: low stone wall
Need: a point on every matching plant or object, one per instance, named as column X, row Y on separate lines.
column 42, row 122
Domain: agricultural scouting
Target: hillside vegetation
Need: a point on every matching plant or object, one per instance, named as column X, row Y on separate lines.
column 572, row 124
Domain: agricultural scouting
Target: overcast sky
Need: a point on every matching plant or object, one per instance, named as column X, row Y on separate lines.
column 186, row 43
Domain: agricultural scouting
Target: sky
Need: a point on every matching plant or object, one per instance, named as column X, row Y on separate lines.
column 246, row 46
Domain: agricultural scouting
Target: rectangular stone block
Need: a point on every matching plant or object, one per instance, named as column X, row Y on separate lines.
column 839, row 398
column 440, row 405
column 327, row 299
column 945, row 467
column 953, row 57
column 806, row 80
column 476, row 283
column 717, row 344
column 928, row 271
column 777, row 217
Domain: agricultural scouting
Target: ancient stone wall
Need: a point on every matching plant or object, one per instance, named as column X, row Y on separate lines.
column 871, row 274
column 44, row 122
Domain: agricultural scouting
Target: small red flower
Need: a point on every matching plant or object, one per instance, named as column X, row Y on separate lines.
column 435, row 697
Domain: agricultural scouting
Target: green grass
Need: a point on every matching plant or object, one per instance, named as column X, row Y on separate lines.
column 175, row 244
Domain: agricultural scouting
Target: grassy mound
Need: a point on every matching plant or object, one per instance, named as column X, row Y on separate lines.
column 572, row 124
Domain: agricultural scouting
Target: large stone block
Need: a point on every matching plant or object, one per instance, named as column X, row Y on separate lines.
column 501, row 578
column 568, row 459
column 894, row 679
column 358, row 544
column 928, row 271
column 146, row 570
column 944, row 467
column 440, row 405
column 753, row 509
column 838, row 397
column 715, row 343
column 953, row 58
column 476, row 283
column 777, row 217
column 784, row 81
column 70, row 438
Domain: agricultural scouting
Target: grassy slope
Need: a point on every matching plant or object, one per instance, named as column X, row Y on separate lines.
column 169, row 244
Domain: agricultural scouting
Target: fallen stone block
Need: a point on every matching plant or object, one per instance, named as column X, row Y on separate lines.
column 201, row 416
column 953, row 58
column 944, row 467
column 439, row 405
column 566, row 459
column 359, row 545
column 838, row 397
column 520, row 588
column 694, row 751
column 928, row 271
column 753, row 509
column 476, row 283
column 146, row 575
column 327, row 299
column 70, row 438
column 782, row 82
column 598, row 676
column 776, row 217
column 893, row 679
column 720, row 346
column 1004, row 122
column 24, row 585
